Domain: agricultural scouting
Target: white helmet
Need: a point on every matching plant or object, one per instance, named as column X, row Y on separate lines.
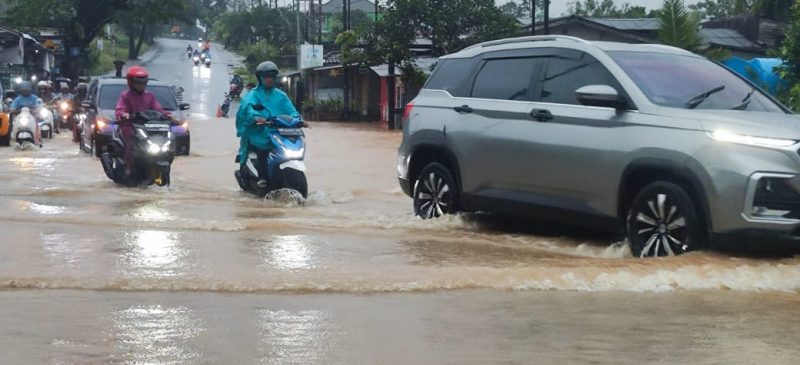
column 43, row 84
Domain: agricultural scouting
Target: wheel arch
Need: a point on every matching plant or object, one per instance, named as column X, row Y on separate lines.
column 424, row 154
column 640, row 173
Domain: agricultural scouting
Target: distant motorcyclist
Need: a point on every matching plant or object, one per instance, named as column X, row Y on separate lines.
column 81, row 93
column 251, row 124
column 206, row 45
column 43, row 91
column 25, row 98
column 237, row 80
column 134, row 100
column 189, row 49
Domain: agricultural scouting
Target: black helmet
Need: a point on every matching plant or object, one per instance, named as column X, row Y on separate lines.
column 25, row 88
column 82, row 87
column 267, row 68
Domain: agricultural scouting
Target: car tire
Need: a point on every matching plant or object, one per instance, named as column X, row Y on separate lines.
column 435, row 192
column 663, row 221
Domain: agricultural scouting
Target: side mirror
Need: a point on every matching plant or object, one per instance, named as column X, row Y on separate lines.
column 601, row 96
column 184, row 106
column 259, row 107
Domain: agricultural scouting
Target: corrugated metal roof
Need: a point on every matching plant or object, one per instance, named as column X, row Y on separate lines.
column 645, row 24
column 726, row 37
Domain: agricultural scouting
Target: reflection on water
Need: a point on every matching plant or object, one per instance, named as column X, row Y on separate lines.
column 289, row 252
column 28, row 164
column 303, row 337
column 149, row 211
column 155, row 334
column 154, row 253
column 46, row 209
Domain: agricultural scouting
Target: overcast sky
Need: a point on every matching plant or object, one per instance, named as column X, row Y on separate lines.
column 559, row 7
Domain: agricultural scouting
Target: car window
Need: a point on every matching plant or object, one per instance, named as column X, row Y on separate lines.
column 673, row 80
column 506, row 79
column 452, row 75
column 109, row 95
column 565, row 75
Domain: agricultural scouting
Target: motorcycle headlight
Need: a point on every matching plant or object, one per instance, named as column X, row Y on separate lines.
column 64, row 106
column 295, row 153
column 24, row 121
column 43, row 113
column 153, row 148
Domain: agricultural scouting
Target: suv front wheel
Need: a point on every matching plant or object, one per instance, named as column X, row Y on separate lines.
column 662, row 221
column 435, row 192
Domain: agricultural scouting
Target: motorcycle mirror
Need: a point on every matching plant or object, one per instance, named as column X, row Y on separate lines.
column 185, row 106
column 259, row 107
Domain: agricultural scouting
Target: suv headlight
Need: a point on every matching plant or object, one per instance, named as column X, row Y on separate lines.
column 724, row 136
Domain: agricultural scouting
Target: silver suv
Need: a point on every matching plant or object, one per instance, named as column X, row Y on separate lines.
column 674, row 148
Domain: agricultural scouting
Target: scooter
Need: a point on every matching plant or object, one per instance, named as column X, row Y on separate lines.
column 153, row 152
column 25, row 128
column 285, row 165
column 46, row 122
column 235, row 91
column 207, row 60
column 226, row 105
column 196, row 60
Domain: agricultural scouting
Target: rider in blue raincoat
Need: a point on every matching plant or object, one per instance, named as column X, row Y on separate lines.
column 251, row 124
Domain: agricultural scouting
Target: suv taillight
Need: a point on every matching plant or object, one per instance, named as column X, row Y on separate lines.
column 407, row 111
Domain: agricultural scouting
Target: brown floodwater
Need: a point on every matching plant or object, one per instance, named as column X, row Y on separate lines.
column 200, row 272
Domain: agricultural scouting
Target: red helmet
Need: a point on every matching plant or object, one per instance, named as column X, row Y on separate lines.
column 137, row 74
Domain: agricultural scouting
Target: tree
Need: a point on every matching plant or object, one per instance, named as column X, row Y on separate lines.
column 142, row 16
column 679, row 27
column 78, row 21
column 517, row 8
column 721, row 9
column 790, row 54
column 607, row 9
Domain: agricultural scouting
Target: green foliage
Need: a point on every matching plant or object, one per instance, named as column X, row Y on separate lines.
column 679, row 28
column 449, row 24
column 259, row 25
column 790, row 54
column 718, row 54
column 141, row 17
column 257, row 53
column 518, row 8
column 607, row 9
column 721, row 9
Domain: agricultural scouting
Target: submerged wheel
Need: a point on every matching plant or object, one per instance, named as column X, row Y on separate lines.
column 435, row 192
column 296, row 180
column 663, row 221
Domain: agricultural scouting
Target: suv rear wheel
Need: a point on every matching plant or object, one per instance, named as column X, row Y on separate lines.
column 435, row 192
column 662, row 221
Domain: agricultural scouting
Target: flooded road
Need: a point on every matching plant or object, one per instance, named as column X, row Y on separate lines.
column 202, row 273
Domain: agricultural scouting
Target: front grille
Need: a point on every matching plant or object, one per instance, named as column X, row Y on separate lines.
column 776, row 195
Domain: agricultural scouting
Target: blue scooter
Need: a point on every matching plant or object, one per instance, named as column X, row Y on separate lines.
column 285, row 165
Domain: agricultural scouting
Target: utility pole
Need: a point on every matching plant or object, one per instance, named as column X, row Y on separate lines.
column 321, row 19
column 297, row 15
column 346, row 73
column 533, row 17
column 377, row 9
column 546, row 17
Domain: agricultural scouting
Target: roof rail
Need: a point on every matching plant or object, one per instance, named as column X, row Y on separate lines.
column 533, row 38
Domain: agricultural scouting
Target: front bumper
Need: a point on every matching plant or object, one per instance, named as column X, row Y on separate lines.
column 405, row 184
column 759, row 241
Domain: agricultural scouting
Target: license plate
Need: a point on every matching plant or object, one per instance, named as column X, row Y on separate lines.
column 157, row 127
column 290, row 132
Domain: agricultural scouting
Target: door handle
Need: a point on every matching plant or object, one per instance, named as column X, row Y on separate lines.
column 541, row 115
column 464, row 109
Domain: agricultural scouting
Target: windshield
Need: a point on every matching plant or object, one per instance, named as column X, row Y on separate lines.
column 109, row 95
column 680, row 81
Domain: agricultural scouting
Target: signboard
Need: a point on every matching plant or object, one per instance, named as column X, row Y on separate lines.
column 100, row 44
column 311, row 56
